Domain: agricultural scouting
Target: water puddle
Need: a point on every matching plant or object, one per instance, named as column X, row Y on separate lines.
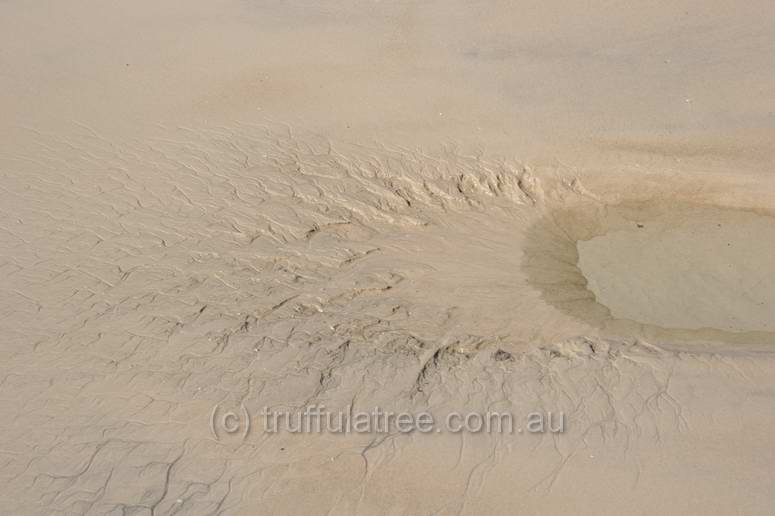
column 676, row 271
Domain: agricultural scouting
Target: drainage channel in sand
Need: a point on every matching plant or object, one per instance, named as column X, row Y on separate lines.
column 677, row 271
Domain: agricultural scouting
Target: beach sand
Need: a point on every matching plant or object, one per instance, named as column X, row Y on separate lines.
column 215, row 210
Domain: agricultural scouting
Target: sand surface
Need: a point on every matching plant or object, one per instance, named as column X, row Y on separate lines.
column 213, row 208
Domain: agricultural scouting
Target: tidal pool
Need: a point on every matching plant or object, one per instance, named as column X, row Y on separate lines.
column 659, row 270
column 703, row 268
